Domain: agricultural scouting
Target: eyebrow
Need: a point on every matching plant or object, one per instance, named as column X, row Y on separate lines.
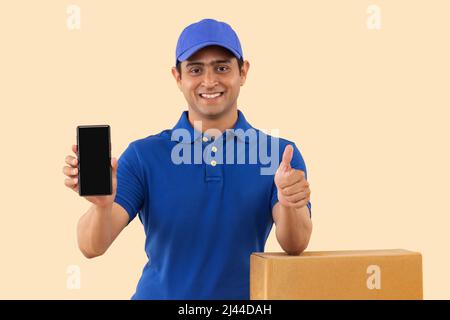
column 211, row 63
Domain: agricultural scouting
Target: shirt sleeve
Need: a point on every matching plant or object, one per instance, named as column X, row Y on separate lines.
column 130, row 186
column 297, row 162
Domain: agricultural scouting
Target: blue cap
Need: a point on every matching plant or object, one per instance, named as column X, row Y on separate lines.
column 205, row 33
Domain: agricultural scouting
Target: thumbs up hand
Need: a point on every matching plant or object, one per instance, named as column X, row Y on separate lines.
column 293, row 189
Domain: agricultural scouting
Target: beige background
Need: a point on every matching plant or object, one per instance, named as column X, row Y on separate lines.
column 369, row 110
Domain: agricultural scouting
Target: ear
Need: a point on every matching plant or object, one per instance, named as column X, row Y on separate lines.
column 177, row 76
column 244, row 71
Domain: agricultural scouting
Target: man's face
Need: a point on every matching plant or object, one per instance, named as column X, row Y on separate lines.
column 210, row 81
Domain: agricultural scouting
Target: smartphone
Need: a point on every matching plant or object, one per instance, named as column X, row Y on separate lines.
column 94, row 160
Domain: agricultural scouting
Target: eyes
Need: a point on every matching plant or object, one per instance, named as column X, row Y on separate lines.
column 198, row 70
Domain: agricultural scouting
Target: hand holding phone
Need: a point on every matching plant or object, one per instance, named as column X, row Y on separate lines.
column 92, row 173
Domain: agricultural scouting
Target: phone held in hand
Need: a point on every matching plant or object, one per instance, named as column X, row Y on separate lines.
column 94, row 160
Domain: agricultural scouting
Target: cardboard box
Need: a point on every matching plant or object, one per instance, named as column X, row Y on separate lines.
column 340, row 275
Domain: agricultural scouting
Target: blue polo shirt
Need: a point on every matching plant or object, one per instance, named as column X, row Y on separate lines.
column 202, row 219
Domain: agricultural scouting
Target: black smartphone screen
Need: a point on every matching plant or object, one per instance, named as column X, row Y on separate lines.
column 94, row 160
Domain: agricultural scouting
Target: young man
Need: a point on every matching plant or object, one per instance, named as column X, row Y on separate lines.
column 205, row 205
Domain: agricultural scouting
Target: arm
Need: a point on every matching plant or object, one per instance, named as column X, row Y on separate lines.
column 293, row 227
column 291, row 214
column 99, row 227
column 105, row 219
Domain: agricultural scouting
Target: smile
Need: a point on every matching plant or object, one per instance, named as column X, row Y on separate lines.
column 211, row 95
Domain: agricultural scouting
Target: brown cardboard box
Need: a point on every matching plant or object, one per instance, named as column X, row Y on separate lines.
column 342, row 275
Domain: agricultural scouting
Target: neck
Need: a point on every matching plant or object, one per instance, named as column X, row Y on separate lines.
column 221, row 123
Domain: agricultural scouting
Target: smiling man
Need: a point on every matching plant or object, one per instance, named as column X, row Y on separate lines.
column 204, row 219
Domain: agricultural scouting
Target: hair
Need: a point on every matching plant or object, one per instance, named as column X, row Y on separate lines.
column 240, row 62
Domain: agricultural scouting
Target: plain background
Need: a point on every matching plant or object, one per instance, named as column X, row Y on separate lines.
column 368, row 109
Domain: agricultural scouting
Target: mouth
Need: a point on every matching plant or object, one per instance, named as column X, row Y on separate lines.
column 211, row 97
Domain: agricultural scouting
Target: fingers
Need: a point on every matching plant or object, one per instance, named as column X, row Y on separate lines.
column 295, row 188
column 72, row 177
column 72, row 161
column 114, row 163
column 298, row 196
column 301, row 203
column 70, row 171
column 290, row 178
column 71, row 183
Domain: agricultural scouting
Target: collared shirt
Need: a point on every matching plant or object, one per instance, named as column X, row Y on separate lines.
column 205, row 205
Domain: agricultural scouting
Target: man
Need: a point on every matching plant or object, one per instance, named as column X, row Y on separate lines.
column 202, row 217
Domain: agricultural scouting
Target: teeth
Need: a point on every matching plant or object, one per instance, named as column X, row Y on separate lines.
column 210, row 96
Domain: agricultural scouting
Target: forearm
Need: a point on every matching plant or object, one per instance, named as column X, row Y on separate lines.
column 294, row 228
column 94, row 231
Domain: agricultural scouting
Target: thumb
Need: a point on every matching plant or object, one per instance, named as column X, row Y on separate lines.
column 114, row 165
column 287, row 156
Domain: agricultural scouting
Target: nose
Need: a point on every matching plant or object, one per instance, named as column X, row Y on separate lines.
column 209, row 79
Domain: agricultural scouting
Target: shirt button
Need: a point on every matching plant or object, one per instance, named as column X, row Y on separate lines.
column 214, row 149
column 205, row 139
column 213, row 163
